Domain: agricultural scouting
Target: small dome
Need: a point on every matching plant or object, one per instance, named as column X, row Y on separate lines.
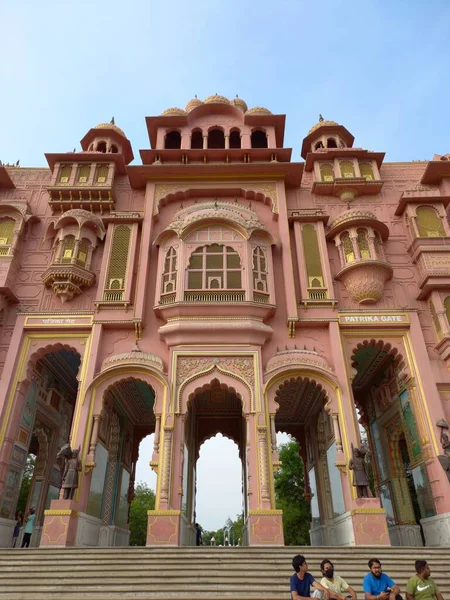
column 111, row 126
column 239, row 103
column 173, row 112
column 323, row 124
column 216, row 100
column 193, row 104
column 258, row 110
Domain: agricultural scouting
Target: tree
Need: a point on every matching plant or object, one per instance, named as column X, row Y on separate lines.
column 290, row 496
column 26, row 483
column 144, row 500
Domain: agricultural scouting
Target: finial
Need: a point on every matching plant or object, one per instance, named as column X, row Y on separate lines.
column 74, row 150
column 320, row 118
column 195, row 96
column 18, row 163
column 112, row 121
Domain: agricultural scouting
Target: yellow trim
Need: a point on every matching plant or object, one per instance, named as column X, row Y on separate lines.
column 38, row 320
column 273, row 511
column 163, row 513
column 368, row 511
column 66, row 512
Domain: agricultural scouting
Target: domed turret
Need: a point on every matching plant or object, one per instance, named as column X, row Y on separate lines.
column 258, row 110
column 239, row 103
column 174, row 112
column 109, row 139
column 326, row 134
column 193, row 104
column 112, row 126
column 216, row 99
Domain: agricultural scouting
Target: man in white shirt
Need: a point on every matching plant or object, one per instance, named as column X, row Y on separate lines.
column 339, row 588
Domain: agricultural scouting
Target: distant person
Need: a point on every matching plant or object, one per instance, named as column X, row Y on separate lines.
column 198, row 535
column 421, row 586
column 340, row 590
column 379, row 586
column 17, row 526
column 29, row 528
column 302, row 581
column 212, row 541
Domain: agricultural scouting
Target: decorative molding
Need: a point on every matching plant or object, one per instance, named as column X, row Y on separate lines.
column 271, row 512
column 63, row 512
column 163, row 513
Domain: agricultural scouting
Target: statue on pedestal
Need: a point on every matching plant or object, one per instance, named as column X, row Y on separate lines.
column 357, row 464
column 72, row 466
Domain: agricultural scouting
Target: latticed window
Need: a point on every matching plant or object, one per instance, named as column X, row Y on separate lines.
column 102, row 174
column 326, row 172
column 347, row 168
column 214, row 267
column 347, row 245
column 312, row 256
column 64, row 174
column 366, row 171
column 83, row 250
column 68, row 246
column 259, row 270
column 115, row 279
column 363, row 243
column 377, row 245
column 6, row 234
column 83, row 173
column 435, row 318
column 429, row 222
column 169, row 278
column 447, row 308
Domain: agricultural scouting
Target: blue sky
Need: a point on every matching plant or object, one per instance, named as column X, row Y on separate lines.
column 381, row 68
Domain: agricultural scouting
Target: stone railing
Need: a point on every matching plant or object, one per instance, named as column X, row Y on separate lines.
column 209, row 297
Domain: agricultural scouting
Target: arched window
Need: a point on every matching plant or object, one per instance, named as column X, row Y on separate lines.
column 318, row 145
column 235, row 138
column 214, row 267
column 115, row 279
column 435, row 318
column 169, row 278
column 447, row 308
column 366, row 171
column 114, row 149
column 68, row 245
column 83, row 250
column 347, row 245
column 173, row 140
column 312, row 256
column 216, row 138
column 378, row 245
column 259, row 139
column 363, row 243
column 196, row 140
column 429, row 222
column 83, row 173
column 102, row 173
column 331, row 143
column 64, row 174
column 101, row 146
column 347, row 169
column 326, row 172
column 259, row 270
column 6, row 235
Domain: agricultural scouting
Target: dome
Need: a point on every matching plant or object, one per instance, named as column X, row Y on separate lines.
column 216, row 100
column 193, row 104
column 173, row 112
column 239, row 103
column 258, row 110
column 135, row 355
column 323, row 124
column 111, row 126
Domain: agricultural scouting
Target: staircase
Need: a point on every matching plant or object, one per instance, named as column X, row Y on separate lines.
column 203, row 573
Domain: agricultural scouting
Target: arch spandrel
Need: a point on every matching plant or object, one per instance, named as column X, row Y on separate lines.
column 40, row 347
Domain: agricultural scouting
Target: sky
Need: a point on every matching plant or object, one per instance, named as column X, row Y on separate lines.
column 381, row 68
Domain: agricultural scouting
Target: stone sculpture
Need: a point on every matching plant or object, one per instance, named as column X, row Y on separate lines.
column 72, row 466
column 360, row 478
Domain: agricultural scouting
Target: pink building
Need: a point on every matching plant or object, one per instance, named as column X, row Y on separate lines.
column 221, row 287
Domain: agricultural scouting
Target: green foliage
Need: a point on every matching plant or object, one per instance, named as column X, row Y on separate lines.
column 290, row 496
column 26, row 483
column 144, row 500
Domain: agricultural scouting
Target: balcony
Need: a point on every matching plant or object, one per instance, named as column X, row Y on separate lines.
column 432, row 257
column 360, row 186
column 68, row 279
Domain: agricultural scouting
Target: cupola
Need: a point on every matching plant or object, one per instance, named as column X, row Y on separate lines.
column 107, row 138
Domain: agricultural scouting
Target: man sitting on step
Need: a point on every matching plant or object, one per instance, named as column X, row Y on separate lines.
column 421, row 586
column 379, row 586
column 340, row 590
column 302, row 581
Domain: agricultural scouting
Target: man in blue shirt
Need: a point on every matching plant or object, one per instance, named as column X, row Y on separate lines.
column 379, row 586
column 301, row 580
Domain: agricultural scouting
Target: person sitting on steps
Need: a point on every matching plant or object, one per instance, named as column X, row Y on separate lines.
column 421, row 586
column 379, row 586
column 302, row 581
column 340, row 590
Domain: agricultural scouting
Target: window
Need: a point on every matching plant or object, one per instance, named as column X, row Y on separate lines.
column 366, row 171
column 235, row 138
column 216, row 138
column 331, row 143
column 435, row 318
column 214, row 267
column 378, row 245
column 114, row 149
column 259, row 270
column 169, row 278
column 64, row 174
column 83, row 173
column 101, row 147
column 173, row 140
column 312, row 256
column 259, row 139
column 347, row 169
column 102, row 173
column 83, row 250
column 347, row 245
column 326, row 172
column 196, row 140
column 68, row 246
column 318, row 145
column 363, row 244
column 115, row 279
column 429, row 223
